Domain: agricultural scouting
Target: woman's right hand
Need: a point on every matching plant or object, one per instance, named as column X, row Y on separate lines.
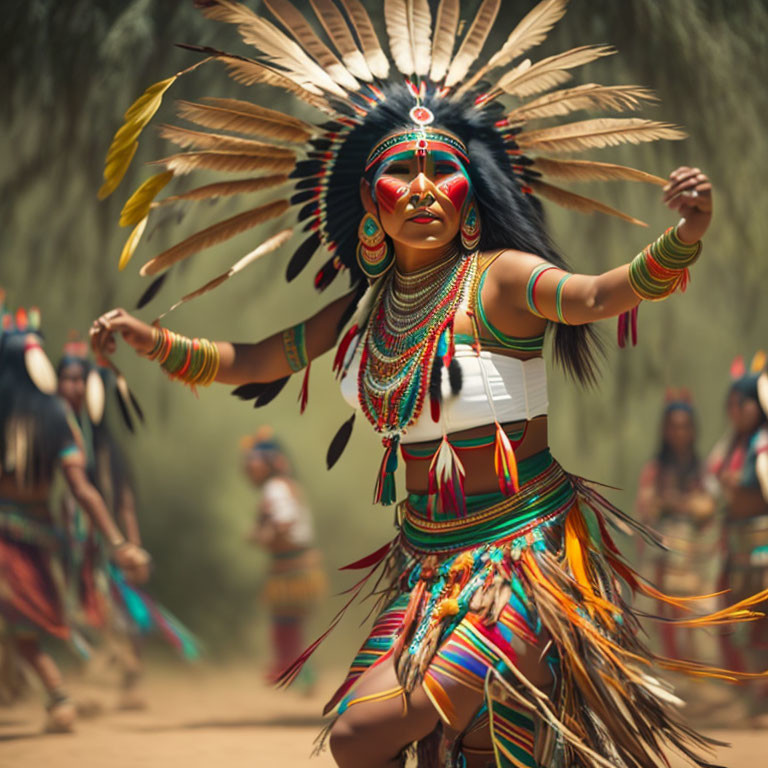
column 133, row 561
column 136, row 333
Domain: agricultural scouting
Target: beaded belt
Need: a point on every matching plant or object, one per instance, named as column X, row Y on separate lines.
column 544, row 499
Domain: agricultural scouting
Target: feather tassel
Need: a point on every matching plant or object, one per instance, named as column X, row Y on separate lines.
column 304, row 393
column 216, row 233
column 473, row 42
column 137, row 206
column 302, row 256
column 446, row 482
column 152, row 291
column 342, row 349
column 589, row 170
column 505, row 462
column 226, row 189
column 132, row 243
column 385, row 491
column 231, row 162
column 218, row 142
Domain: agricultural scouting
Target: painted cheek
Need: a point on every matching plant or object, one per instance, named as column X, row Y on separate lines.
column 388, row 191
column 456, row 189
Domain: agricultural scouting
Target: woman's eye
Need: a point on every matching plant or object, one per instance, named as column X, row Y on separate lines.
column 445, row 169
column 398, row 170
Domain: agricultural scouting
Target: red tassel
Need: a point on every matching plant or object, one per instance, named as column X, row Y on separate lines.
column 633, row 324
column 369, row 560
column 446, row 482
column 342, row 349
column 505, row 463
column 304, row 394
column 434, row 409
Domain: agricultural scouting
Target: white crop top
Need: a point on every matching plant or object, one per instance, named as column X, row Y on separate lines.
column 518, row 389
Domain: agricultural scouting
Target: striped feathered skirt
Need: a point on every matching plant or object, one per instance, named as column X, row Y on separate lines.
column 538, row 567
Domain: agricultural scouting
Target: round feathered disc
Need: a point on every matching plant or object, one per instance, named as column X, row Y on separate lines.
column 40, row 369
column 95, row 397
column 762, row 390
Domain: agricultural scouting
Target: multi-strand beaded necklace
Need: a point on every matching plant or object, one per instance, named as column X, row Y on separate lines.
column 410, row 324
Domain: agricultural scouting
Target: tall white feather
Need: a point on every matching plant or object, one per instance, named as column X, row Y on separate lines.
column 473, row 42
column 446, row 24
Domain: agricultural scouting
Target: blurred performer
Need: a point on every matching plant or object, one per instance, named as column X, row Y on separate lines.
column 37, row 435
column 105, row 600
column 742, row 471
column 284, row 528
column 672, row 499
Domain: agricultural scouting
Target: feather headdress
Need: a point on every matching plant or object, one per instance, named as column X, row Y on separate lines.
column 334, row 61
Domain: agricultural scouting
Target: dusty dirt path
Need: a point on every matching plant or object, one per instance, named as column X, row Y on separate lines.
column 207, row 719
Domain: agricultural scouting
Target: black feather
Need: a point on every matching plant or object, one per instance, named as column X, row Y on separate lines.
column 152, row 291
column 436, row 380
column 455, row 376
column 303, row 197
column 308, row 210
column 124, row 411
column 271, row 391
column 339, row 442
column 307, row 168
column 136, row 406
column 302, row 256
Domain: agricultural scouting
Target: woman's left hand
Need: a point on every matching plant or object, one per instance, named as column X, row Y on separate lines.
column 689, row 192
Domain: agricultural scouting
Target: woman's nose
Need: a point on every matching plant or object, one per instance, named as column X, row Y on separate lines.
column 420, row 184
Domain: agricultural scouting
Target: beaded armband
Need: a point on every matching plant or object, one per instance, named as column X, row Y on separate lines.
column 193, row 361
column 530, row 290
column 295, row 346
column 662, row 267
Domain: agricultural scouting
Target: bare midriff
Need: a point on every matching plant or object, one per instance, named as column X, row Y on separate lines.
column 746, row 503
column 478, row 462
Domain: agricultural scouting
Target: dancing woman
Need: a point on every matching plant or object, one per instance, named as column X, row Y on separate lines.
column 38, row 435
column 504, row 637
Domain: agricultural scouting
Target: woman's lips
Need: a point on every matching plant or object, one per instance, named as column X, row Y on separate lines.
column 424, row 217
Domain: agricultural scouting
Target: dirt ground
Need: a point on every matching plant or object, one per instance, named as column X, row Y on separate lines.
column 212, row 718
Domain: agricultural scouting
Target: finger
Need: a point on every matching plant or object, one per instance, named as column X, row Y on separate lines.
column 681, row 177
column 681, row 186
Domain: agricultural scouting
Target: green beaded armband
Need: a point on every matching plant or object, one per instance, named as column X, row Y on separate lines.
column 295, row 346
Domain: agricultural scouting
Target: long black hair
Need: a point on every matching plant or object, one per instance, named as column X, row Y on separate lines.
column 509, row 218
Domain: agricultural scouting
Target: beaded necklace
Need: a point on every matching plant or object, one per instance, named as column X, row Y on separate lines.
column 410, row 324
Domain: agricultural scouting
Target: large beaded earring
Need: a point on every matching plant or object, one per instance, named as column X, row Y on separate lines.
column 375, row 255
column 470, row 227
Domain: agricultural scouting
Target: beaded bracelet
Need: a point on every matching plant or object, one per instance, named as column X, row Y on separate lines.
column 193, row 361
column 661, row 268
column 295, row 346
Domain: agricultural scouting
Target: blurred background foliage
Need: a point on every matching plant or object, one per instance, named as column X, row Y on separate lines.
column 69, row 72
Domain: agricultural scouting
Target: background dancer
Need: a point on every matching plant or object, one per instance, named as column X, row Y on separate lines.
column 283, row 527
column 38, row 434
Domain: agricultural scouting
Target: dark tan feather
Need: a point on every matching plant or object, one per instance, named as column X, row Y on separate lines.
column 226, row 189
column 257, row 121
column 527, row 80
column 578, row 203
column 217, row 233
column 219, row 142
column 446, row 24
column 338, row 31
column 377, row 60
column 299, row 28
column 589, row 170
column 224, row 161
column 595, row 134
column 281, row 50
column 589, row 96
column 531, row 30
column 473, row 42
column 268, row 246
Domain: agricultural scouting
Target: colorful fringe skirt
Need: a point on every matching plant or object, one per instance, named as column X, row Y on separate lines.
column 539, row 567
column 296, row 583
column 31, row 581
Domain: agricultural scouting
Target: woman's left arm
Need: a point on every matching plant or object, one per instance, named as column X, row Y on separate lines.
column 537, row 287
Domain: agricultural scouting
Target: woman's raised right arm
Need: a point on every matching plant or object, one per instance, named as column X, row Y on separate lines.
column 273, row 358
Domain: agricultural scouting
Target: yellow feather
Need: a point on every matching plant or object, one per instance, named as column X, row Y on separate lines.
column 131, row 244
column 115, row 168
column 137, row 206
column 232, row 162
column 595, row 134
column 589, row 170
column 216, row 233
column 577, row 202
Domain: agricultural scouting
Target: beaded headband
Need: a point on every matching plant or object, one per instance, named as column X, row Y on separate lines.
column 421, row 140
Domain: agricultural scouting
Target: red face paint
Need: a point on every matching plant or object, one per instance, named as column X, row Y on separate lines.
column 455, row 188
column 388, row 191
